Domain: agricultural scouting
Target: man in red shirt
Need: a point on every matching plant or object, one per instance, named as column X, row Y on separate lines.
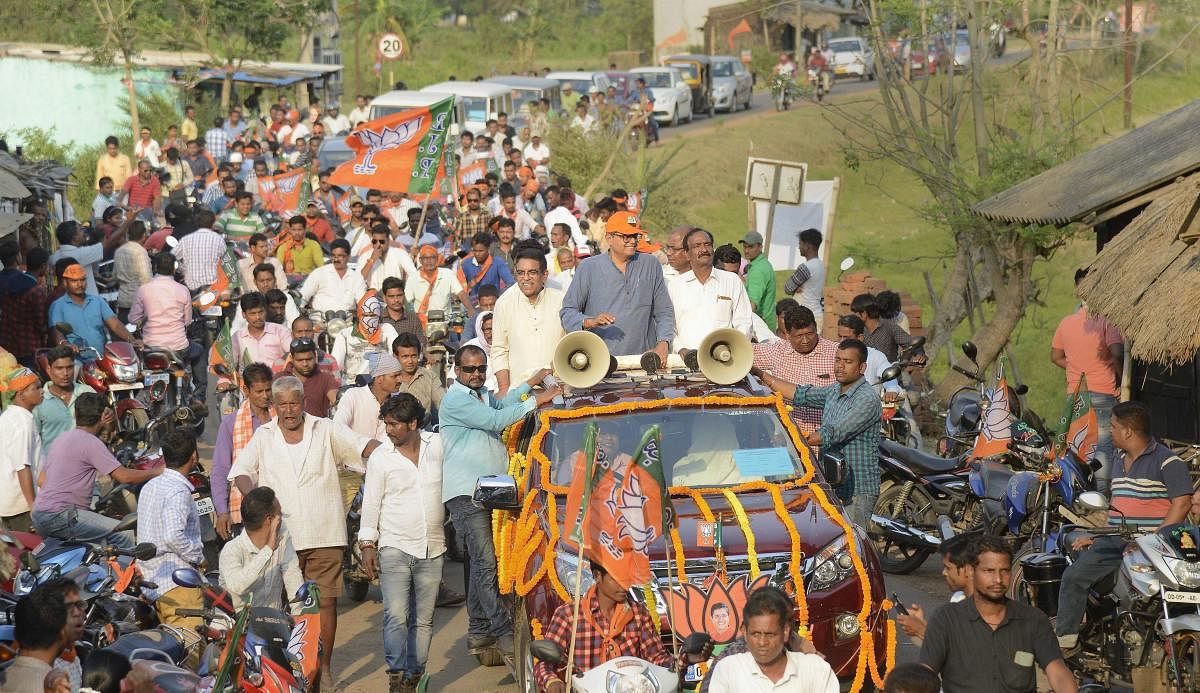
column 317, row 224
column 1090, row 349
column 142, row 191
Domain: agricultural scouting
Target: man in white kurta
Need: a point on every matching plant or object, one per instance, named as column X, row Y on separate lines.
column 525, row 326
column 706, row 298
column 298, row 456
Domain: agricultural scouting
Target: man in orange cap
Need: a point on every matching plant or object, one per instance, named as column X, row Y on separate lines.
column 87, row 314
column 21, row 455
column 621, row 295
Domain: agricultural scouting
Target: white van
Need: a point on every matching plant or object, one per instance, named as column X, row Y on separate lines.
column 477, row 101
column 400, row 101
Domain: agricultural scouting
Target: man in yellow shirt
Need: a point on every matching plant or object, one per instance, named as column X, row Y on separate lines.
column 298, row 253
column 113, row 164
column 189, row 131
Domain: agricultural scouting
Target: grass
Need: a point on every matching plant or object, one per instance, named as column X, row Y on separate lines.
column 879, row 209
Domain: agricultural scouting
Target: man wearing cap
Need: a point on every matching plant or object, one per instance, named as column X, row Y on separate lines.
column 621, row 295
column 569, row 98
column 433, row 286
column 760, row 278
column 334, row 122
column 21, row 454
column 706, row 298
column 86, row 313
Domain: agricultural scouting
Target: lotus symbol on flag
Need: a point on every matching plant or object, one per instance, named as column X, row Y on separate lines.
column 287, row 185
column 388, row 138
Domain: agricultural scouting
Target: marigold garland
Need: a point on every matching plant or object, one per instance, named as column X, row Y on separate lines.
column 680, row 557
column 795, row 566
column 535, row 629
column 744, row 524
column 651, row 606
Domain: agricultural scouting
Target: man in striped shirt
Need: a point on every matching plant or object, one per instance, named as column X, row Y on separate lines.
column 241, row 222
column 1151, row 488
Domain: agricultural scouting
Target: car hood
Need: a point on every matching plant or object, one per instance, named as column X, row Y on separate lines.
column 729, row 81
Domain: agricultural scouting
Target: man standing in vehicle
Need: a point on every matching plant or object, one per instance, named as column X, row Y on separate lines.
column 1009, row 635
column 706, row 298
column 804, row 358
column 1151, row 488
column 1087, row 345
column 621, row 295
column 471, row 422
column 849, row 425
column 525, row 325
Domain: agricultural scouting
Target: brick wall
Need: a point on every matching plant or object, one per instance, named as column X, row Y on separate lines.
column 838, row 297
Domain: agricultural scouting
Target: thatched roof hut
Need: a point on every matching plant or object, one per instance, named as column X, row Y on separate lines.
column 1146, row 280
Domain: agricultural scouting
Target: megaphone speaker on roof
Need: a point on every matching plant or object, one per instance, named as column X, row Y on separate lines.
column 725, row 356
column 581, row 359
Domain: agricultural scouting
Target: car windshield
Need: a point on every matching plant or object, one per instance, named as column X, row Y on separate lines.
column 845, row 46
column 656, row 79
column 689, row 70
column 380, row 111
column 722, row 68
column 700, row 448
column 329, row 157
column 475, row 108
column 579, row 86
column 523, row 95
column 962, row 38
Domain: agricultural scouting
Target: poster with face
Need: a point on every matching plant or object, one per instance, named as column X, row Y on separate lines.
column 712, row 607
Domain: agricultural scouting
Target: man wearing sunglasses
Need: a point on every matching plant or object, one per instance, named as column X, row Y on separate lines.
column 380, row 261
column 621, row 295
column 320, row 386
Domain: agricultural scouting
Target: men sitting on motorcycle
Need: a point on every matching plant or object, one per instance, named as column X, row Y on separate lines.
column 1151, row 488
column 163, row 307
column 817, row 61
column 610, row 626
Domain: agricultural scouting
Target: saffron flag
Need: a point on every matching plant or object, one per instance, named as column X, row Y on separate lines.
column 341, row 206
column 1079, row 429
column 471, row 174
column 284, row 193
column 743, row 27
column 369, row 314
column 228, row 280
column 401, row 151
column 995, row 425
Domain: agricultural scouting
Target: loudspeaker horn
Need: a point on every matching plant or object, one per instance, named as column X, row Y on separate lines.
column 725, row 356
column 581, row 359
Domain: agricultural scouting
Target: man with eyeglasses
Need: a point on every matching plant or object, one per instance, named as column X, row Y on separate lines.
column 678, row 261
column 334, row 286
column 621, row 295
column 803, row 357
column 525, row 324
column 380, row 261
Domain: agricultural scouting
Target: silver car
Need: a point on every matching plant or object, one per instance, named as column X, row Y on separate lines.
column 732, row 83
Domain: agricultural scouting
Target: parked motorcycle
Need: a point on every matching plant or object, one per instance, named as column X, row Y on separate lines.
column 968, row 404
column 1141, row 637
column 357, row 582
column 899, row 424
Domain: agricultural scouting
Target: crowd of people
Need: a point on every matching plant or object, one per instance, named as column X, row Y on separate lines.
column 528, row 260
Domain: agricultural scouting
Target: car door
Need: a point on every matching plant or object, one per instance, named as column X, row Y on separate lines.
column 683, row 93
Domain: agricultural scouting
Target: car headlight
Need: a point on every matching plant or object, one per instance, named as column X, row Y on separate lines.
column 723, row 89
column 1186, row 574
column 567, row 565
column 831, row 565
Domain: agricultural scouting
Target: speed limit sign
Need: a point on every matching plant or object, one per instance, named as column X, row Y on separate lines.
column 391, row 47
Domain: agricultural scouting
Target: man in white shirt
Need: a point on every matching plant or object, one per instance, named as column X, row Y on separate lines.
column 71, row 241
column 21, row 454
column 567, row 263
column 536, row 152
column 358, row 410
column 401, row 536
column 298, row 456
column 678, row 261
column 768, row 666
column 360, row 113
column 583, row 121
column 260, row 563
column 335, row 123
column 706, row 298
column 105, row 198
column 807, row 283
column 334, row 286
column 265, row 279
column 560, row 214
column 381, row 260
column 432, row 286
column 525, row 325
column 260, row 252
column 523, row 222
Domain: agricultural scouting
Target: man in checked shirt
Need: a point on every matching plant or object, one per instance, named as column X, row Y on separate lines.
column 803, row 357
column 610, row 626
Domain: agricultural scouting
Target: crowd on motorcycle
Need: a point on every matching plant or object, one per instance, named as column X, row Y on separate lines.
column 365, row 325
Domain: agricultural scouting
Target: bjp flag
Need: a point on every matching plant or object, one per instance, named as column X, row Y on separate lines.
column 995, row 426
column 342, row 206
column 284, row 193
column 402, row 151
column 1078, row 426
column 471, row 174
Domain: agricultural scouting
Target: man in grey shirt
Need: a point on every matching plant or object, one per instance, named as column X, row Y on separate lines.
column 621, row 295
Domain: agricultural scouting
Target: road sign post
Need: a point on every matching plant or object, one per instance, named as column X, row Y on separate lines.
column 390, row 47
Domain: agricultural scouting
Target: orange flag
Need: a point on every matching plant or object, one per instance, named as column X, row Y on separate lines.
column 342, row 206
column 281, row 194
column 743, row 27
column 471, row 174
column 402, row 151
column 995, row 428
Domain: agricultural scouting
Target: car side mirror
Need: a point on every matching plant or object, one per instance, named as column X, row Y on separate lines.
column 890, row 373
column 970, row 351
column 835, row 469
column 30, row 562
column 188, row 577
column 1093, row 501
column 548, row 651
column 497, row 492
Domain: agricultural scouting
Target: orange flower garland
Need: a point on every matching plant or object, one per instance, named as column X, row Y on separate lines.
column 680, row 557
column 797, row 558
column 744, row 524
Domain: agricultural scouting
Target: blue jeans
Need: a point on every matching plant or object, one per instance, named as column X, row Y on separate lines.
column 1092, row 566
column 402, row 576
column 473, row 524
column 1103, row 405
column 77, row 524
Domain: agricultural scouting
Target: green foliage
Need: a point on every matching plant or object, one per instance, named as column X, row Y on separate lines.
column 156, row 111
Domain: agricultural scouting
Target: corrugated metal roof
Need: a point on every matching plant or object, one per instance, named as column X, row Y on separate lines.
column 1141, row 160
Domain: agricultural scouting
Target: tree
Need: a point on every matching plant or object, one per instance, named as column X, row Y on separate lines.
column 234, row 31
column 407, row 18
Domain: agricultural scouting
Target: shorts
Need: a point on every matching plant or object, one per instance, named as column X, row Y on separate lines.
column 349, row 482
column 324, row 567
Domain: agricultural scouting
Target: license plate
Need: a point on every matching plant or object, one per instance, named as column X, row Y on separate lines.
column 1181, row 597
column 840, row 70
column 212, row 311
column 157, row 378
column 695, row 672
column 204, row 506
column 125, row 386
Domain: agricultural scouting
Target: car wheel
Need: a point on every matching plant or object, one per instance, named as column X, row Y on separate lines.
column 690, row 115
column 865, row 75
column 675, row 117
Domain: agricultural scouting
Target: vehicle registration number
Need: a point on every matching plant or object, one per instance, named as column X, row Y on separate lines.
column 157, row 377
column 212, row 311
column 204, row 506
column 1181, row 597
column 695, row 672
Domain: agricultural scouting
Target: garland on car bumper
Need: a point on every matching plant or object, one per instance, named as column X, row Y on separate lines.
column 520, row 539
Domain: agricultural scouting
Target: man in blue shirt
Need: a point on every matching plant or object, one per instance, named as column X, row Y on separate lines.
column 849, row 424
column 621, row 295
column 87, row 314
column 481, row 267
column 471, row 421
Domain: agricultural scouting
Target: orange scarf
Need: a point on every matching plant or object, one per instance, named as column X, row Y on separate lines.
column 289, row 246
column 483, row 270
column 621, row 616
column 243, row 430
column 424, row 307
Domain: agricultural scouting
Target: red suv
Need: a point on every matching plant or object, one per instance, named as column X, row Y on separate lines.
column 732, row 458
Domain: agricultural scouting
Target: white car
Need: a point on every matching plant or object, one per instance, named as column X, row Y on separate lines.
column 672, row 96
column 852, row 55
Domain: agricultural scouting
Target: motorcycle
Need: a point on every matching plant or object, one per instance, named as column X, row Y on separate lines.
column 968, row 405
column 116, row 374
column 783, row 91
column 621, row 673
column 443, row 330
column 1141, row 637
column 820, row 81
column 899, row 424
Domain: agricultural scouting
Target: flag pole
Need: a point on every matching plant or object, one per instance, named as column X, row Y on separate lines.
column 578, row 598
column 667, row 545
column 420, row 230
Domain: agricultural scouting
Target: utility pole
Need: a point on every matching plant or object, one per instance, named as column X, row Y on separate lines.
column 1128, row 64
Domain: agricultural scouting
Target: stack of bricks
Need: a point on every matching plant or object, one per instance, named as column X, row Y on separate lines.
column 838, row 297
